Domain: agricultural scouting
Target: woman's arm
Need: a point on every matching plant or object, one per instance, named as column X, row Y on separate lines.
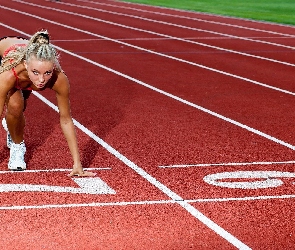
column 62, row 89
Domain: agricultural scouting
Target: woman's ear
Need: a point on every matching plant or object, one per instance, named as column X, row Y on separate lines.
column 26, row 65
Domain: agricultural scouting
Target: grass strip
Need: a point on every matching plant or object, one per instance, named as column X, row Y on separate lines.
column 277, row 11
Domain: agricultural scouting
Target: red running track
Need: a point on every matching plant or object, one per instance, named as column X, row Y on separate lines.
column 184, row 116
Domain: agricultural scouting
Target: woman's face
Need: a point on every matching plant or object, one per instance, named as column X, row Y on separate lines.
column 39, row 72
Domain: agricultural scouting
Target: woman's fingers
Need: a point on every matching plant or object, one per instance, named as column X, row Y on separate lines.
column 81, row 174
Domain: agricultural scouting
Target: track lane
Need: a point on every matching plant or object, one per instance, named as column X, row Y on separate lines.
column 128, row 227
column 270, row 221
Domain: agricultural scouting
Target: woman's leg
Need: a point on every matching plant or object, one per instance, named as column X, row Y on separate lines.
column 16, row 123
column 14, row 115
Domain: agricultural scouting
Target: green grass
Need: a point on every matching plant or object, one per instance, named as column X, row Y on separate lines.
column 278, row 11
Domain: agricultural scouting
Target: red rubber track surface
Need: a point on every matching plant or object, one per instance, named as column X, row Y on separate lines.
column 169, row 98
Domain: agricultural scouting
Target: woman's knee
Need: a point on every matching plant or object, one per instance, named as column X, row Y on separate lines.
column 15, row 105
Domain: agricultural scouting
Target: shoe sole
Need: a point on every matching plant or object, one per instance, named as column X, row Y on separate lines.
column 24, row 167
column 17, row 169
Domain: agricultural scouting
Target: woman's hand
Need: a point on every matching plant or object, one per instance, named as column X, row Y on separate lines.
column 80, row 173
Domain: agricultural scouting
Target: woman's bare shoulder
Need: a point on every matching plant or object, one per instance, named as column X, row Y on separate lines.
column 7, row 80
column 59, row 81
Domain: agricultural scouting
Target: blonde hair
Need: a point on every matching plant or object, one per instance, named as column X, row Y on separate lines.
column 38, row 47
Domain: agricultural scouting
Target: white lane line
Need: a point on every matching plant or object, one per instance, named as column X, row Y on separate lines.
column 227, row 164
column 51, row 170
column 146, row 50
column 147, row 202
column 172, row 37
column 94, row 204
column 249, row 198
column 162, row 39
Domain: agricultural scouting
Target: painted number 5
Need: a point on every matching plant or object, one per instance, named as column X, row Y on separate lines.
column 270, row 179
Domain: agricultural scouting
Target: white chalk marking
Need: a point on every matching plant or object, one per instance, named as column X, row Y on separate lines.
column 144, row 203
column 249, row 198
column 271, row 179
column 50, row 170
column 86, row 186
column 228, row 164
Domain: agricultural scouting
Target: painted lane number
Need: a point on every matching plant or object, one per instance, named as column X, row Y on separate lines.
column 270, row 179
column 86, row 186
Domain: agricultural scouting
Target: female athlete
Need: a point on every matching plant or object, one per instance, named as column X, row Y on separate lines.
column 28, row 65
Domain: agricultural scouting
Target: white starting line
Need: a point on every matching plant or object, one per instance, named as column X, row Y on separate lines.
column 50, row 170
column 227, row 164
column 146, row 202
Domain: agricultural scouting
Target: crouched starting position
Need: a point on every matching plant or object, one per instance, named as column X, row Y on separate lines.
column 28, row 65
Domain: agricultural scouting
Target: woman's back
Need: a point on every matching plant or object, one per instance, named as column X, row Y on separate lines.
column 7, row 42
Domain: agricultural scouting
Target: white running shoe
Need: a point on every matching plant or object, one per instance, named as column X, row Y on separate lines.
column 17, row 157
column 8, row 137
